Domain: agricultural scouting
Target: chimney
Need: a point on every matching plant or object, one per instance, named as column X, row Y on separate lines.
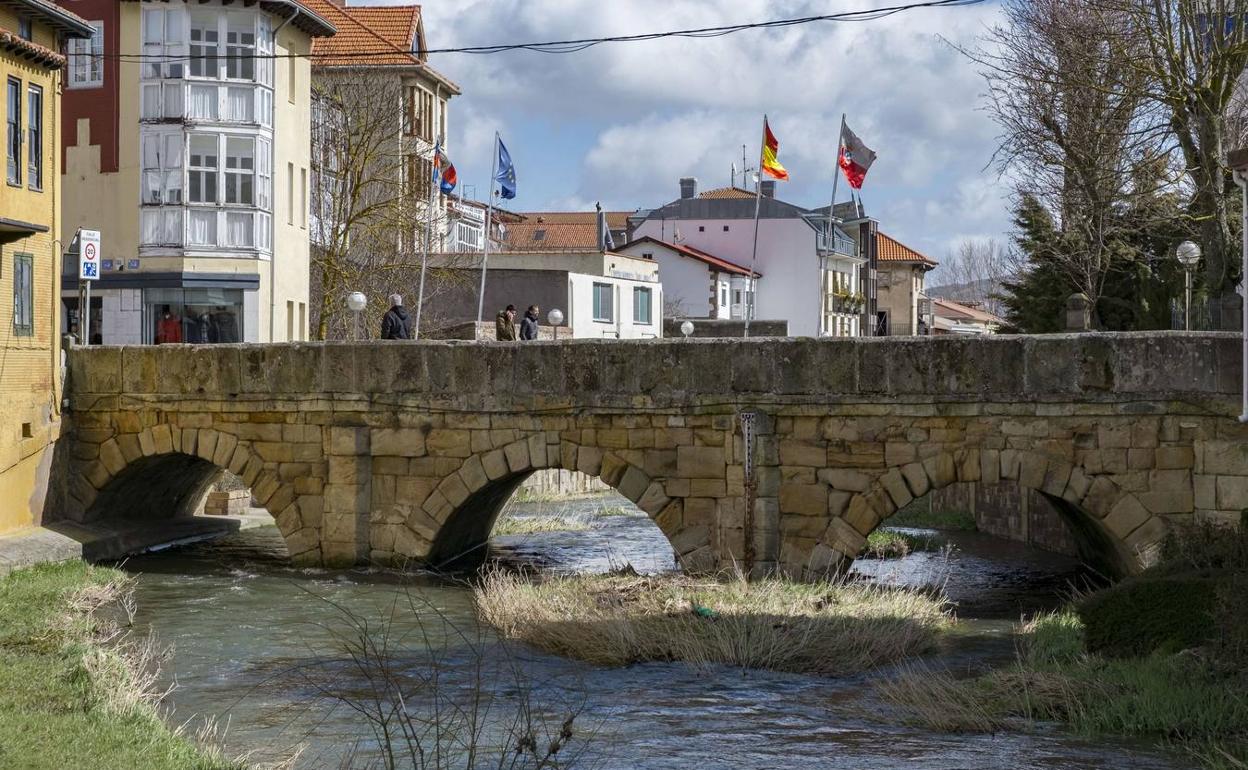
column 688, row 187
column 768, row 188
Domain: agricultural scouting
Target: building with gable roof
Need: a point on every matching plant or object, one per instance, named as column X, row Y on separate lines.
column 817, row 278
column 902, row 307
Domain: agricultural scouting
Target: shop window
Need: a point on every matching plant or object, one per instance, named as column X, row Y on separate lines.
column 194, row 316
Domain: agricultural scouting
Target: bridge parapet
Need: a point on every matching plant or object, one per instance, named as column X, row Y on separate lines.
column 392, row 450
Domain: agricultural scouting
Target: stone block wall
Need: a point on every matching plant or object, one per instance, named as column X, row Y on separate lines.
column 763, row 455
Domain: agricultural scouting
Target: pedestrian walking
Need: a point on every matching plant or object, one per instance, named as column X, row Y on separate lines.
column 396, row 324
column 528, row 324
column 505, row 324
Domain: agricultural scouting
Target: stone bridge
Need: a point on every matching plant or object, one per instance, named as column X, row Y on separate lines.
column 762, row 455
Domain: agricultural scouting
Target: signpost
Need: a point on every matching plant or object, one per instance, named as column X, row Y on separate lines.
column 88, row 271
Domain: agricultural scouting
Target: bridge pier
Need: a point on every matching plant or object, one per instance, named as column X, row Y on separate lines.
column 763, row 456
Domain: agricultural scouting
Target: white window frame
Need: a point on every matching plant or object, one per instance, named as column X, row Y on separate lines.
column 86, row 59
column 234, row 178
column 597, row 305
column 204, row 169
column 638, row 292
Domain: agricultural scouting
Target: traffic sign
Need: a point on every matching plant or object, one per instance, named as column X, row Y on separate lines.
column 89, row 255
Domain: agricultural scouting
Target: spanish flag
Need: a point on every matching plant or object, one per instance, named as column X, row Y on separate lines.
column 771, row 147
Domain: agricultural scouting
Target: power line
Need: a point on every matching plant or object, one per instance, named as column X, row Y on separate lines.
column 574, row 46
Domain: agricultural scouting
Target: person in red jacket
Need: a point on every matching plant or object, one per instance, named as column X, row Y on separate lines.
column 168, row 328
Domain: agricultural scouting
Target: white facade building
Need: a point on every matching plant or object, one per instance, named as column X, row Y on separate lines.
column 809, row 280
column 697, row 284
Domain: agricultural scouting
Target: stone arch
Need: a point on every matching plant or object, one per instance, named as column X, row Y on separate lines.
column 445, row 528
column 161, row 471
column 1114, row 530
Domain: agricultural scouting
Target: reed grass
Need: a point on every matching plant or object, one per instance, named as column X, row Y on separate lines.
column 821, row 628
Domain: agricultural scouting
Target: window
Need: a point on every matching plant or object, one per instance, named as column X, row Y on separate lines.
column 34, row 136
column 604, row 305
column 240, row 170
column 290, row 193
column 725, row 228
column 13, row 137
column 86, row 59
column 641, row 305
column 23, row 295
column 203, row 168
column 264, row 174
column 303, row 321
column 292, row 78
column 723, row 294
column 24, row 30
column 290, row 320
column 240, row 48
column 420, row 113
column 205, row 39
column 303, row 197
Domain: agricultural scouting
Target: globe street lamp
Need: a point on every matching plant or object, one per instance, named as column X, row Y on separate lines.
column 554, row 318
column 356, row 302
column 686, row 328
column 1188, row 255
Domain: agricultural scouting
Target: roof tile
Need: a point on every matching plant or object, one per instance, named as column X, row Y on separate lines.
column 891, row 250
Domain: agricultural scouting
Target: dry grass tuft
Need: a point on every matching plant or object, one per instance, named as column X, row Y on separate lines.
column 824, row 628
column 532, row 525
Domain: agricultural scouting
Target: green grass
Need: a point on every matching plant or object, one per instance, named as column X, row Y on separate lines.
column 1182, row 699
column 820, row 628
column 919, row 515
column 531, row 525
column 890, row 544
column 71, row 695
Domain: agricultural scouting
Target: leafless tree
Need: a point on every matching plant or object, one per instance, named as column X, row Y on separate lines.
column 973, row 272
column 1076, row 123
column 371, row 186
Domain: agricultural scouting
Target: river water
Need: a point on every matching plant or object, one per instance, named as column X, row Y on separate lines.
column 262, row 648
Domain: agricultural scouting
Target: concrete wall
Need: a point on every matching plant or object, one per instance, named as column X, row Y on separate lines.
column 396, row 451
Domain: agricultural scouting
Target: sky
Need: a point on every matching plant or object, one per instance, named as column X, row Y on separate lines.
column 622, row 123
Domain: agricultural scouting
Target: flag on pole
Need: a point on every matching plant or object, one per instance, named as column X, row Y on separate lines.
column 771, row 148
column 854, row 157
column 506, row 176
column 443, row 170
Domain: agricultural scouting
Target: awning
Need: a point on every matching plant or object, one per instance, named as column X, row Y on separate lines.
column 15, row 229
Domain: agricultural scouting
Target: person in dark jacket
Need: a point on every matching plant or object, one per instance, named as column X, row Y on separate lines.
column 528, row 324
column 396, row 324
column 505, row 325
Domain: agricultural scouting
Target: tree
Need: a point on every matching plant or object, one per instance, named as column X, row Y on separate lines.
column 973, row 272
column 371, row 183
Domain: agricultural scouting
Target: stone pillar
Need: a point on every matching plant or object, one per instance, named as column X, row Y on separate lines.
column 348, row 497
column 1078, row 313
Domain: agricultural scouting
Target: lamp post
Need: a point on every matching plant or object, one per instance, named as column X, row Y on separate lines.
column 356, row 302
column 1188, row 255
column 686, row 328
column 554, row 318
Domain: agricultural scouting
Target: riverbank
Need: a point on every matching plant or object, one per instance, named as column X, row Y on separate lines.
column 75, row 690
column 822, row 628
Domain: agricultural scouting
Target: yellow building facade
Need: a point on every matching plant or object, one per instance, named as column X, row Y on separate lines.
column 32, row 33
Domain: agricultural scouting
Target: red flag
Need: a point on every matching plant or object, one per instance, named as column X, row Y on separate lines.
column 854, row 157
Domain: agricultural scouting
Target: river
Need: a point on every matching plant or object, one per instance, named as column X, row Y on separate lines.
column 259, row 647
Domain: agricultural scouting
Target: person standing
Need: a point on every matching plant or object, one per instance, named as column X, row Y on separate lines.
column 529, row 324
column 505, row 325
column 396, row 324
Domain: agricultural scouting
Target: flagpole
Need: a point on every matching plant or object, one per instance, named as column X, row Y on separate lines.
column 489, row 212
column 424, row 259
column 750, row 298
column 836, row 178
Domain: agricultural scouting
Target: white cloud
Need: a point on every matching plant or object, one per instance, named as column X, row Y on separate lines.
column 622, row 122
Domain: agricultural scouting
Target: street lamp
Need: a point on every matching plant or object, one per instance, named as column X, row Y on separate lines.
column 686, row 328
column 554, row 318
column 356, row 302
column 1188, row 255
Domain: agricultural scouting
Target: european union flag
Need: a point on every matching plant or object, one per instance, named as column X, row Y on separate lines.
column 506, row 173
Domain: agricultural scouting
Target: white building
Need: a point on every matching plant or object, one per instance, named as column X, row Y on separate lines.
column 194, row 166
column 813, row 281
column 697, row 284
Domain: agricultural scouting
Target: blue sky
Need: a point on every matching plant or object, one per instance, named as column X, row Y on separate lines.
column 622, row 123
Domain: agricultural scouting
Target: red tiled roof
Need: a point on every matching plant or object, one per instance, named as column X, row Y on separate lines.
column 11, row 41
column 699, row 255
column 890, row 250
column 378, row 32
column 727, row 192
column 616, row 220
column 957, row 310
column 531, row 235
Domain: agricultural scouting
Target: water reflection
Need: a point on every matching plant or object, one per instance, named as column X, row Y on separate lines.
column 256, row 643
